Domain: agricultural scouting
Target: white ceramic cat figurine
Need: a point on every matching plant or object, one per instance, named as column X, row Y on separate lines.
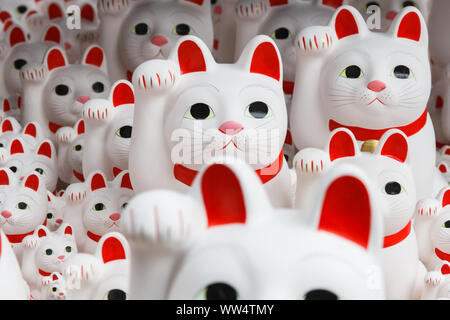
column 71, row 143
column 189, row 109
column 437, row 286
column 109, row 124
column 10, row 129
column 18, row 8
column 132, row 32
column 368, row 82
column 45, row 252
column 225, row 240
column 439, row 108
column 54, row 92
column 12, row 284
column 94, row 207
column 54, row 289
column 23, row 207
column 388, row 169
column 55, row 210
column 439, row 43
column 223, row 14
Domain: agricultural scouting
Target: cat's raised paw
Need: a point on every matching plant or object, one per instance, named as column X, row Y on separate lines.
column 31, row 241
column 112, row 6
column 65, row 135
column 33, row 73
column 96, row 109
column 155, row 76
column 428, row 208
column 433, row 279
column 251, row 8
column 76, row 192
column 311, row 161
column 316, row 39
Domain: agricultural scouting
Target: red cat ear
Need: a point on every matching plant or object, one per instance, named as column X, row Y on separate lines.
column 190, row 57
column 410, row 27
column 122, row 93
column 394, row 145
column 7, row 126
column 197, row 2
column 112, row 249
column 222, row 196
column 6, row 105
column 332, row 3
column 445, row 196
column 32, row 182
column 80, row 127
column 88, row 13
column 42, row 232
column 346, row 210
column 55, row 11
column 342, row 144
column 16, row 147
column 55, row 58
column 16, row 36
column 266, row 61
column 53, row 34
column 98, row 181
column 68, row 230
column 55, row 277
column 4, row 178
column 345, row 23
column 126, row 182
column 94, row 56
column 4, row 16
column 31, row 130
column 45, row 149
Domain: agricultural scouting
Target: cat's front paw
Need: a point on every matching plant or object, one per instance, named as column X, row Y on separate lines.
column 46, row 280
column 311, row 161
column 65, row 135
column 36, row 21
column 76, row 192
column 33, row 73
column 251, row 8
column 82, row 267
column 113, row 7
column 433, row 279
column 155, row 76
column 315, row 40
column 31, row 241
column 96, row 109
column 427, row 208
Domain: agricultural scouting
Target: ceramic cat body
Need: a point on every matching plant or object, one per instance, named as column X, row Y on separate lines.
column 45, row 252
column 386, row 164
column 230, row 243
column 70, row 152
column 109, row 125
column 94, row 208
column 366, row 88
column 12, row 284
column 148, row 29
column 55, row 91
column 199, row 112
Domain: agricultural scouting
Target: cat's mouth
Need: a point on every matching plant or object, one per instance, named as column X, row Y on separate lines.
column 160, row 53
column 228, row 144
column 376, row 99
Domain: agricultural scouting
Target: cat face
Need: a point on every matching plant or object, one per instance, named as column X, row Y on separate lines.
column 104, row 204
column 70, row 152
column 389, row 9
column 19, row 9
column 440, row 228
column 55, row 210
column 245, row 118
column 387, row 167
column 65, row 93
column 23, row 203
column 10, row 129
column 41, row 161
column 56, row 289
column 54, row 248
column 153, row 28
column 364, row 84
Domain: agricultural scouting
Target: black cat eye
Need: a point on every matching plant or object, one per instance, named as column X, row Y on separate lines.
column 22, row 205
column 352, row 72
column 258, row 110
column 13, row 169
column 49, row 215
column 62, row 90
column 99, row 207
column 78, row 147
column 49, row 252
column 116, row 294
column 125, row 132
column 68, row 249
column 98, row 87
column 393, row 188
column 19, row 63
column 200, row 111
column 182, row 29
column 221, row 291
column 402, row 72
column 54, row 289
column 39, row 170
column 22, row 9
column 321, row 294
column 281, row 34
column 141, row 29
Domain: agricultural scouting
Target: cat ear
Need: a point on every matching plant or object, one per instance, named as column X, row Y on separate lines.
column 55, row 11
column 16, row 147
column 55, row 58
column 53, row 33
column 42, row 231
column 32, row 182
column 80, row 127
column 342, row 144
column 125, row 181
column 204, row 5
column 56, row 276
column 192, row 55
column 113, row 247
column 6, row 105
column 393, row 144
column 347, row 21
column 4, row 178
column 97, row 181
column 4, row 16
column 122, row 93
column 347, row 208
column 409, row 24
column 46, row 149
column 95, row 56
column 68, row 230
column 88, row 13
column 330, row 3
column 30, row 130
column 16, row 36
column 7, row 125
column 261, row 56
column 231, row 193
column 444, row 197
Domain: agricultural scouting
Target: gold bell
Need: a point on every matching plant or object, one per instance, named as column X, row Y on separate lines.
column 369, row 146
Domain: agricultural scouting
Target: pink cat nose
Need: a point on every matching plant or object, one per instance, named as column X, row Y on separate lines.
column 61, row 294
column 159, row 41
column 218, row 10
column 59, row 221
column 115, row 216
column 391, row 15
column 83, row 99
column 61, row 257
column 21, row 178
column 376, row 86
column 231, row 128
column 6, row 214
column 67, row 46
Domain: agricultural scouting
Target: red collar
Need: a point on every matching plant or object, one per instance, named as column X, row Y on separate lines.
column 129, row 75
column 17, row 238
column 187, row 176
column 398, row 237
column 78, row 175
column 440, row 145
column 54, row 127
column 44, row 273
column 442, row 255
column 288, row 87
column 363, row 134
column 93, row 236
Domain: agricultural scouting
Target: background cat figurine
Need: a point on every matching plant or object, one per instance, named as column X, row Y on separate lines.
column 12, row 284
column 198, row 112
column 216, row 242
column 224, row 24
column 10, row 129
column 109, row 125
column 94, row 207
column 437, row 286
column 439, row 108
column 55, row 91
column 55, row 289
column 70, row 152
column 55, row 210
column 45, row 252
column 367, row 92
